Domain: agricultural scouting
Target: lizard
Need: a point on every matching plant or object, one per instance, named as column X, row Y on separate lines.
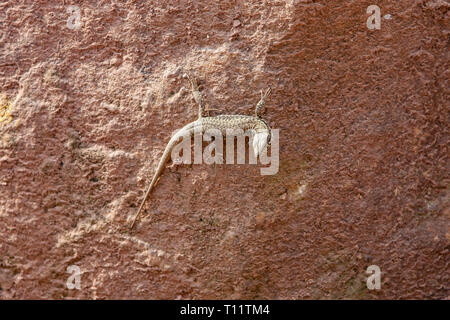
column 220, row 122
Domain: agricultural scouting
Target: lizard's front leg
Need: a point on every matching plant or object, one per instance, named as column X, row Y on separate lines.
column 261, row 103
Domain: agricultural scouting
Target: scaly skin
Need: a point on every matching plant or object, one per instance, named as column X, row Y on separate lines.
column 221, row 122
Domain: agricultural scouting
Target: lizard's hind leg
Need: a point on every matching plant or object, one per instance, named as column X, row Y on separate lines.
column 198, row 97
column 261, row 103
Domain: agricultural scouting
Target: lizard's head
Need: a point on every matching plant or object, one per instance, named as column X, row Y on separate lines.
column 261, row 138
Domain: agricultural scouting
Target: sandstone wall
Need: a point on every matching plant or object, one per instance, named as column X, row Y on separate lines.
column 90, row 106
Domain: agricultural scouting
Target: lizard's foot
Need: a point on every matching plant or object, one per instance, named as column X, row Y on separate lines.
column 266, row 94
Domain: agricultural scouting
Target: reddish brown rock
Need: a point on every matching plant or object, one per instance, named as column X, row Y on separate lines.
column 363, row 179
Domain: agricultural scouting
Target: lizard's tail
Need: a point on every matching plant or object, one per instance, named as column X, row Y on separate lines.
column 165, row 157
column 150, row 187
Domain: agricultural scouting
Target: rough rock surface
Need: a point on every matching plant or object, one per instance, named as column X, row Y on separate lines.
column 89, row 108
